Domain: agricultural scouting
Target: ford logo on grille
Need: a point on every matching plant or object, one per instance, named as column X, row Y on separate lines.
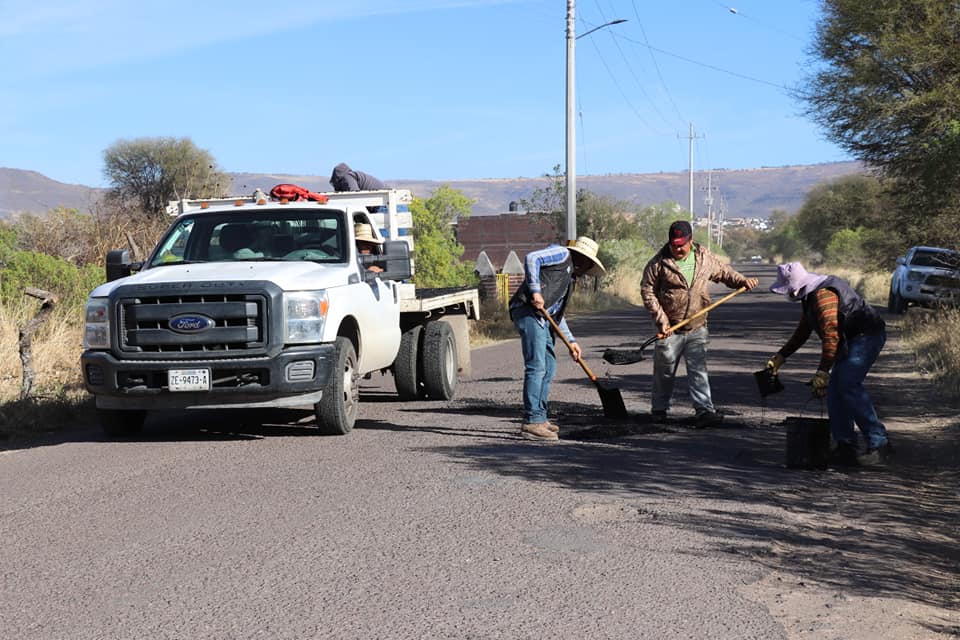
column 188, row 323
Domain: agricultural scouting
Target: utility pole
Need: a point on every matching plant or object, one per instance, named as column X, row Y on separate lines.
column 571, row 168
column 571, row 140
column 723, row 211
column 708, row 200
column 691, row 138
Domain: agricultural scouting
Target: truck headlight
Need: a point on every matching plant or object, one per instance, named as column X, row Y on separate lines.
column 914, row 276
column 304, row 314
column 96, row 324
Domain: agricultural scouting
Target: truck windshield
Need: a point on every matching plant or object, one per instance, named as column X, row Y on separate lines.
column 289, row 234
column 942, row 259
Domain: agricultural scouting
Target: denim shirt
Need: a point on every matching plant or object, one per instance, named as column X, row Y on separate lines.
column 535, row 263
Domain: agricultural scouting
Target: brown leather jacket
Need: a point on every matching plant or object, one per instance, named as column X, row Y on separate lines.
column 666, row 295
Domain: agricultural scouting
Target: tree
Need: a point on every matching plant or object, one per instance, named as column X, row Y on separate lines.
column 784, row 242
column 601, row 218
column 153, row 171
column 846, row 203
column 888, row 91
column 437, row 253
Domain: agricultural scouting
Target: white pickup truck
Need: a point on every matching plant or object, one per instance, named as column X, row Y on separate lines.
column 255, row 302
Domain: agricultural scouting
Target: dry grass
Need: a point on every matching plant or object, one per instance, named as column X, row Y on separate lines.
column 935, row 337
column 57, row 396
column 872, row 285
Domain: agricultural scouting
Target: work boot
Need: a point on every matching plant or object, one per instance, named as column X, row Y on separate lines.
column 875, row 456
column 658, row 415
column 844, row 455
column 708, row 419
column 537, row 431
column 552, row 426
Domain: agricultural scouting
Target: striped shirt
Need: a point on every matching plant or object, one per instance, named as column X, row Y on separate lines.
column 825, row 304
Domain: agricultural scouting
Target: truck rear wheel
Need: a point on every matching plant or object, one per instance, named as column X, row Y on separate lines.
column 405, row 367
column 439, row 359
column 337, row 410
column 118, row 423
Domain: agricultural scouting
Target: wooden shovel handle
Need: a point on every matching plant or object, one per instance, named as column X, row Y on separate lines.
column 556, row 329
column 708, row 308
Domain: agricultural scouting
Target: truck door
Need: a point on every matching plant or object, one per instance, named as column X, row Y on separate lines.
column 378, row 313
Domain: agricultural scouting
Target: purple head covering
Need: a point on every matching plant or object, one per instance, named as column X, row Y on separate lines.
column 794, row 281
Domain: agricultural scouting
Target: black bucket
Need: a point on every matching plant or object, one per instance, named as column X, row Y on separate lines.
column 768, row 382
column 808, row 442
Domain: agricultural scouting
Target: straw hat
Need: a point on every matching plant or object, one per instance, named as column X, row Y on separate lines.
column 364, row 233
column 588, row 248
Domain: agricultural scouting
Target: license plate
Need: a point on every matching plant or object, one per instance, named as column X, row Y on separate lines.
column 188, row 379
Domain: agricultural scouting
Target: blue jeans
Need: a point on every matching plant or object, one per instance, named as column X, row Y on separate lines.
column 666, row 358
column 848, row 400
column 539, row 365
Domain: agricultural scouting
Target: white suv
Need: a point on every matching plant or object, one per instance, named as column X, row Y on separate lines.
column 926, row 276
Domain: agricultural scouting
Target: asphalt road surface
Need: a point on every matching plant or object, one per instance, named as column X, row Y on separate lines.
column 436, row 520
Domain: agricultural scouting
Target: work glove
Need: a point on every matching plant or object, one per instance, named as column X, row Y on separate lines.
column 775, row 362
column 819, row 383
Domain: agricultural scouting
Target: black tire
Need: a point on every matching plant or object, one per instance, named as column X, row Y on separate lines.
column 439, row 360
column 119, row 423
column 896, row 303
column 337, row 410
column 406, row 372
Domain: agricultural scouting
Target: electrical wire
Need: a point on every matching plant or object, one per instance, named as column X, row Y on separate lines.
column 737, row 12
column 656, row 66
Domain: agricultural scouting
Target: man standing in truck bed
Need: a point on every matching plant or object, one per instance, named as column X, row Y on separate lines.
column 344, row 178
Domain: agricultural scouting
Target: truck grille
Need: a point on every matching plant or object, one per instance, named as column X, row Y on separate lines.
column 942, row 281
column 233, row 323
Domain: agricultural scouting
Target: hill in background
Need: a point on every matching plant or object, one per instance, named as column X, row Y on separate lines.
column 746, row 193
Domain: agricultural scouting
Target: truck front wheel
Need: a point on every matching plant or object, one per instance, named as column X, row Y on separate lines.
column 439, row 358
column 337, row 410
column 118, row 423
column 895, row 302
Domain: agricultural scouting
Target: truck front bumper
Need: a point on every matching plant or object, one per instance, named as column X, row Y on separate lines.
column 295, row 377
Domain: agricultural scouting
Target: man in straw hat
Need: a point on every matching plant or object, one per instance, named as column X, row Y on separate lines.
column 674, row 287
column 368, row 243
column 549, row 276
column 852, row 334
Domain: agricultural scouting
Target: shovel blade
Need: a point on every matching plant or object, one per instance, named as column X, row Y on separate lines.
column 622, row 356
column 612, row 402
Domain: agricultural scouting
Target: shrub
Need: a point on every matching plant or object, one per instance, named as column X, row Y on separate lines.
column 69, row 283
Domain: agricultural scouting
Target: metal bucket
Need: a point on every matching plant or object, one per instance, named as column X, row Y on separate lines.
column 808, row 442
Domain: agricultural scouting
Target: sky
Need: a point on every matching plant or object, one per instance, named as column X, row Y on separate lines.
column 409, row 90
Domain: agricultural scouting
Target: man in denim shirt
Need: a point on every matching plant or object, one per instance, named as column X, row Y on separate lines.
column 549, row 275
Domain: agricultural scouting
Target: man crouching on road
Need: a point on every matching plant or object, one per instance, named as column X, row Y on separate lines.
column 549, row 276
column 674, row 287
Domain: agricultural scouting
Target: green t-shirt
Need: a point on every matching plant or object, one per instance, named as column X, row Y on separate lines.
column 688, row 267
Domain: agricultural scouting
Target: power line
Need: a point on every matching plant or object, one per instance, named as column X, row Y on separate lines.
column 787, row 90
column 737, row 12
column 626, row 99
column 626, row 61
column 653, row 59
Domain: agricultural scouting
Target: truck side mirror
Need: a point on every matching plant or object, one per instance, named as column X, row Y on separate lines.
column 119, row 264
column 395, row 261
column 901, row 260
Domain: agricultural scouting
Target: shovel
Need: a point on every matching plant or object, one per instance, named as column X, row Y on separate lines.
column 611, row 399
column 629, row 356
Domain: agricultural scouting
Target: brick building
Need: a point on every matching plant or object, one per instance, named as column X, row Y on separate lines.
column 498, row 235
